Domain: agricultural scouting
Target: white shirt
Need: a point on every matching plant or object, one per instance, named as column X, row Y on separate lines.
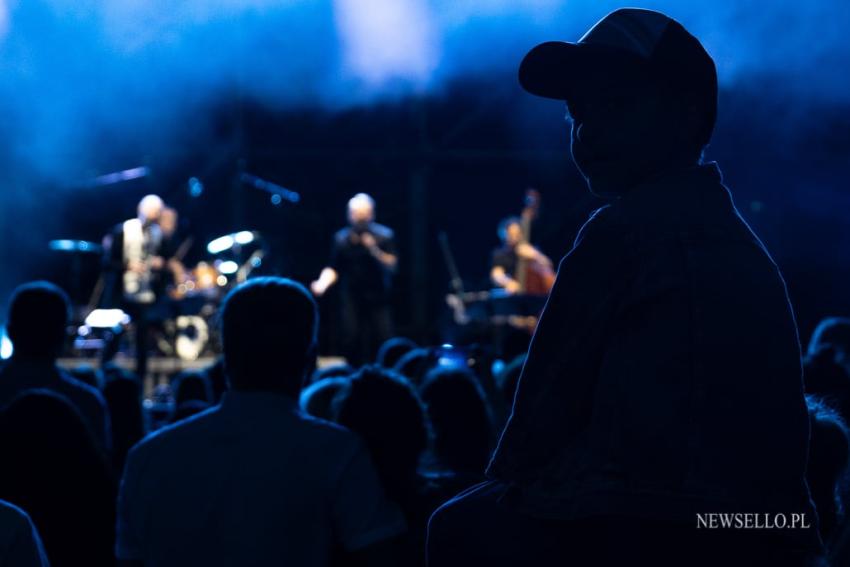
column 250, row 482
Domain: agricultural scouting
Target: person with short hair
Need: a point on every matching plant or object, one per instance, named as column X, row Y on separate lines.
column 461, row 420
column 664, row 379
column 384, row 409
column 834, row 333
column 254, row 481
column 415, row 364
column 393, row 349
column 506, row 258
column 134, row 268
column 36, row 326
column 363, row 261
column 317, row 398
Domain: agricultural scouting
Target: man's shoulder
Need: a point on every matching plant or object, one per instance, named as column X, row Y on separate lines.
column 196, row 432
column 603, row 215
column 605, row 218
column 330, row 434
column 12, row 517
column 183, row 433
column 341, row 236
column 381, row 231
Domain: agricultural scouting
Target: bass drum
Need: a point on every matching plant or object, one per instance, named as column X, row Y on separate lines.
column 192, row 337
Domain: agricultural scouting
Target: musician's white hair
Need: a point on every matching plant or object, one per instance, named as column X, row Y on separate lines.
column 361, row 200
column 151, row 201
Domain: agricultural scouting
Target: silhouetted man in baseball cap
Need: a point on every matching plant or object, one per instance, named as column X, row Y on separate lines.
column 659, row 417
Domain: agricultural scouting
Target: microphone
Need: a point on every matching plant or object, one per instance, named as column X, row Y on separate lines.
column 282, row 193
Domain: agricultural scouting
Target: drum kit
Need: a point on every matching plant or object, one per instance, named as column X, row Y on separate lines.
column 204, row 280
column 193, row 298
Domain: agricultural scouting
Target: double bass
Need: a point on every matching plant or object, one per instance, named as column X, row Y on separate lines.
column 535, row 278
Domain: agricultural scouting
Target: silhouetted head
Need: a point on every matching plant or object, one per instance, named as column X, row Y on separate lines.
column 268, row 328
column 112, row 371
column 361, row 210
column 87, row 375
column 150, row 208
column 829, row 452
column 38, row 316
column 392, row 350
column 54, row 469
column 331, row 371
column 385, row 411
column 317, row 398
column 188, row 409
column 833, row 332
column 47, row 438
column 826, row 378
column 415, row 364
column 44, row 416
column 191, row 386
column 510, row 231
column 460, row 418
column 641, row 95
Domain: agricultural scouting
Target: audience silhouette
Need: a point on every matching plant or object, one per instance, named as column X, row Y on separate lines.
column 20, row 544
column 663, row 380
column 414, row 364
column 393, row 349
column 253, row 481
column 385, row 411
column 317, row 398
column 833, row 332
column 192, row 394
column 55, row 471
column 462, row 424
column 829, row 456
column 123, row 394
column 37, row 321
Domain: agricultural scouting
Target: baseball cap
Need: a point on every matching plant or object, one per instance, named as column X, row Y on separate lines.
column 627, row 44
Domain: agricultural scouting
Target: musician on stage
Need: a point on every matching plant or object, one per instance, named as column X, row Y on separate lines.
column 507, row 258
column 173, row 249
column 135, row 266
column 363, row 260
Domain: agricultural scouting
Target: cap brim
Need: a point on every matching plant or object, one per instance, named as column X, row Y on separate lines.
column 562, row 70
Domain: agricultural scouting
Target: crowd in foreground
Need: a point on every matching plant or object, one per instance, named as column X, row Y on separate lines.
column 270, row 461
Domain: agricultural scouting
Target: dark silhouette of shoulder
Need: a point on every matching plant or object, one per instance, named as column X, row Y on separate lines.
column 207, row 424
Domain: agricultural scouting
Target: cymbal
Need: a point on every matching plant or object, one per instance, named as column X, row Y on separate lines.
column 75, row 246
column 228, row 241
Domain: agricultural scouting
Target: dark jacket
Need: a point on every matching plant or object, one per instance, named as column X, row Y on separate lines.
column 664, row 377
column 18, row 376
